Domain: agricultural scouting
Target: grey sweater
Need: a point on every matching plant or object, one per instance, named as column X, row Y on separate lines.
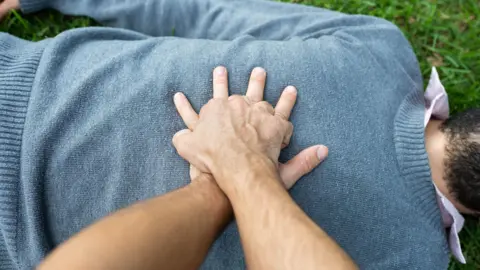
column 86, row 120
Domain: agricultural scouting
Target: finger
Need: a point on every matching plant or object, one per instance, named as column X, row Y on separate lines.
column 220, row 83
column 4, row 9
column 302, row 164
column 179, row 136
column 184, row 108
column 256, row 85
column 288, row 134
column 181, row 141
column 286, row 102
column 7, row 6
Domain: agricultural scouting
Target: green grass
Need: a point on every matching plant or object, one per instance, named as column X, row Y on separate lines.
column 444, row 33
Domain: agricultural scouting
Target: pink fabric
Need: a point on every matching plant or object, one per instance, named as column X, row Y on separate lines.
column 436, row 105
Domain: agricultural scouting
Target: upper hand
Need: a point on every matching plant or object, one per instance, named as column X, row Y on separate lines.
column 228, row 128
column 8, row 5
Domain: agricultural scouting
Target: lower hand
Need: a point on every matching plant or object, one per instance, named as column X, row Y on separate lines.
column 8, row 5
column 290, row 172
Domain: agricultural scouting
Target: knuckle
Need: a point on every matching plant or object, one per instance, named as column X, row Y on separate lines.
column 237, row 100
column 210, row 104
column 247, row 100
column 264, row 107
column 281, row 115
column 272, row 133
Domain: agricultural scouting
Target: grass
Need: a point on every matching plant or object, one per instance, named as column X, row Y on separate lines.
column 444, row 33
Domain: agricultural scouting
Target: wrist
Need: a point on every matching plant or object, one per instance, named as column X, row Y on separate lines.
column 248, row 171
column 208, row 193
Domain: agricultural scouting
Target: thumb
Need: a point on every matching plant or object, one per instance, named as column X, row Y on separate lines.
column 5, row 7
column 302, row 164
column 186, row 148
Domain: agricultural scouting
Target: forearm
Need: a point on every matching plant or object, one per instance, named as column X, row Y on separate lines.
column 173, row 231
column 275, row 232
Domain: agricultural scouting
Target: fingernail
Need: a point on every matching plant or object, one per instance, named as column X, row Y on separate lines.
column 183, row 131
column 177, row 97
column 258, row 71
column 291, row 90
column 322, row 152
column 220, row 70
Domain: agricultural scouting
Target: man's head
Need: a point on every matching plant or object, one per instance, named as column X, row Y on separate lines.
column 462, row 159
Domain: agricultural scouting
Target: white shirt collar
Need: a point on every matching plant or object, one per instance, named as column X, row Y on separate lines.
column 436, row 105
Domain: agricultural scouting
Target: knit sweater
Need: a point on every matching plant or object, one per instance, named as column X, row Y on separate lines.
column 86, row 120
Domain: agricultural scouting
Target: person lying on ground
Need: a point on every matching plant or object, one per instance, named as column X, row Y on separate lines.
column 86, row 121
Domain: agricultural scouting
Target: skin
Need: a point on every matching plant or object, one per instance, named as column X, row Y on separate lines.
column 251, row 133
column 435, row 143
column 158, row 233
column 154, row 234
column 8, row 5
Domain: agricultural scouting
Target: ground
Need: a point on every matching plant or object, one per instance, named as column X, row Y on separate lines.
column 444, row 33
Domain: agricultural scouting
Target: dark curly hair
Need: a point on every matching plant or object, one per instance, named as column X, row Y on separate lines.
column 462, row 162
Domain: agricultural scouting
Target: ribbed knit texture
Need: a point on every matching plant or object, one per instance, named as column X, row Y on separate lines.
column 18, row 64
column 412, row 157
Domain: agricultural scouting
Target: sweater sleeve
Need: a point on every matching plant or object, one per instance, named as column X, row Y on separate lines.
column 205, row 19
column 31, row 6
column 232, row 19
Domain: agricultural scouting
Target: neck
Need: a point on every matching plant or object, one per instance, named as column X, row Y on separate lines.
column 435, row 145
column 435, row 142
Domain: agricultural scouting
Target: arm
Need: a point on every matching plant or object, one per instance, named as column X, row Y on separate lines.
column 159, row 232
column 275, row 232
column 261, row 20
column 279, row 235
column 173, row 231
column 208, row 19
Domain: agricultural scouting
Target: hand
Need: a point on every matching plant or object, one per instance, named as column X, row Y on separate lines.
column 238, row 122
column 241, row 122
column 259, row 129
column 8, row 5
